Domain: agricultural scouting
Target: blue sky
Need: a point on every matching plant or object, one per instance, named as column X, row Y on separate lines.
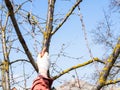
column 70, row 34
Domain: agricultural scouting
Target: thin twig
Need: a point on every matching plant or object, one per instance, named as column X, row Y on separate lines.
column 67, row 16
column 78, row 79
column 19, row 7
column 19, row 60
column 85, row 33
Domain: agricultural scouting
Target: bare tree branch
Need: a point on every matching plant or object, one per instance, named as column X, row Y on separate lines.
column 112, row 81
column 20, row 37
column 19, row 60
column 67, row 16
column 75, row 67
column 5, row 66
column 81, row 65
column 85, row 34
column 19, row 7
column 33, row 21
column 108, row 65
column 49, row 25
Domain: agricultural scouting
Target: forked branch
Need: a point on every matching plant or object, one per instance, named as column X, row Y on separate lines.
column 108, row 66
column 77, row 66
column 20, row 37
column 67, row 16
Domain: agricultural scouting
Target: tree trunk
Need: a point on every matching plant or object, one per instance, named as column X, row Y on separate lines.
column 5, row 64
column 5, row 76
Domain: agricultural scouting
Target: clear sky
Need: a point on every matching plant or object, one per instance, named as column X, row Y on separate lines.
column 70, row 34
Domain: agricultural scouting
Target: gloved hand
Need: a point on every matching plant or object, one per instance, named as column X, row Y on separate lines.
column 43, row 63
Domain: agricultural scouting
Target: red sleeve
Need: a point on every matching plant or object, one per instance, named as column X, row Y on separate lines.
column 42, row 83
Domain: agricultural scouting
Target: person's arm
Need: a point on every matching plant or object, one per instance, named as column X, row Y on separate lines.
column 42, row 82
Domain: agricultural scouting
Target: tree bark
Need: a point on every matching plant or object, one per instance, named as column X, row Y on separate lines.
column 5, row 66
column 108, row 66
column 49, row 25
